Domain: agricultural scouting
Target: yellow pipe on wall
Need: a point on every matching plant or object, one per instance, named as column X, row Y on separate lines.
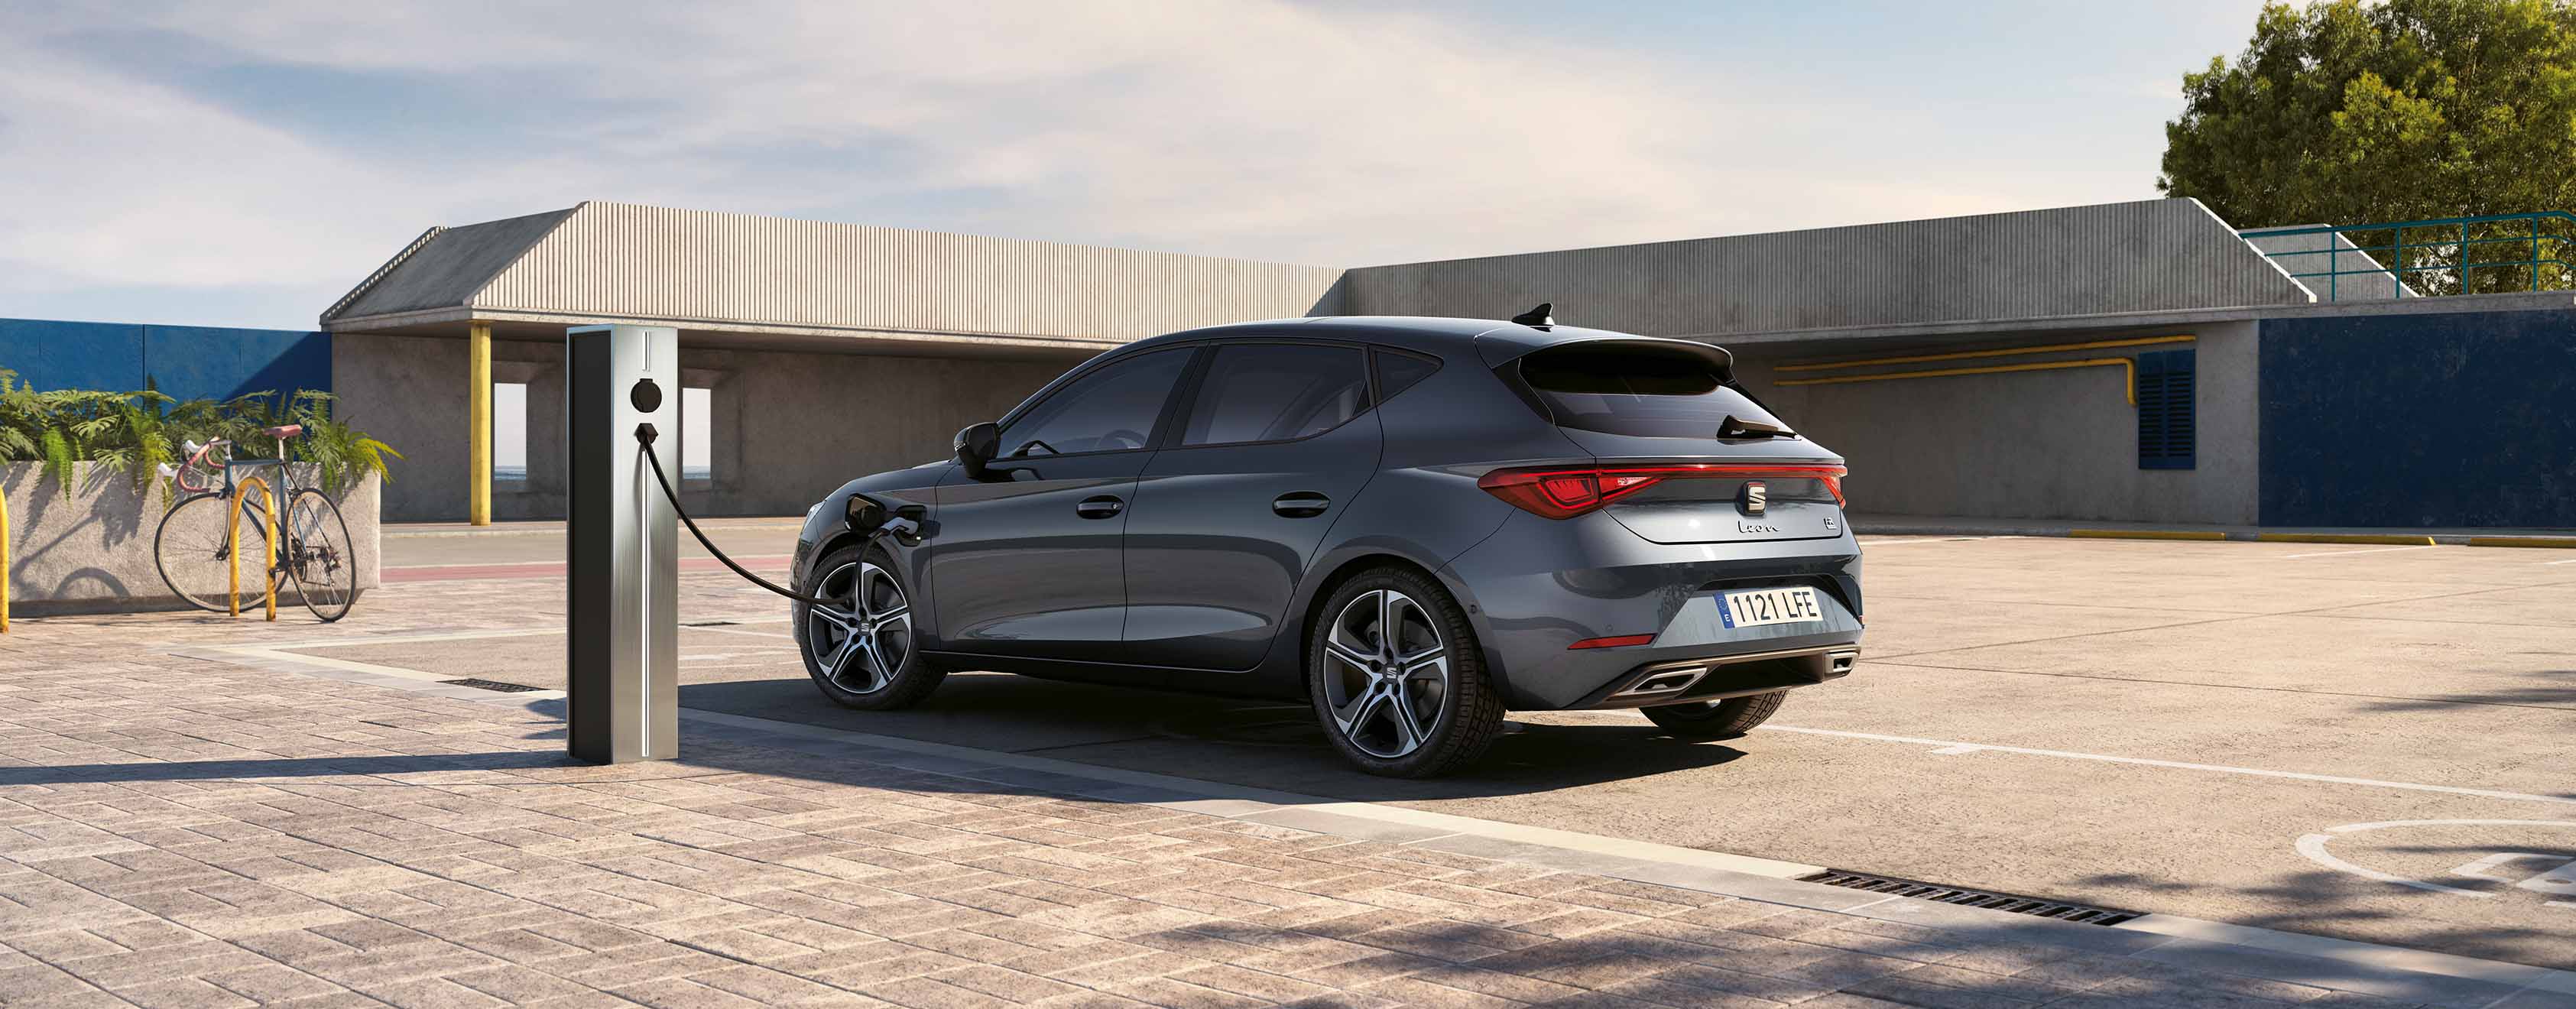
column 2143, row 341
column 232, row 544
column 478, row 424
column 2127, row 365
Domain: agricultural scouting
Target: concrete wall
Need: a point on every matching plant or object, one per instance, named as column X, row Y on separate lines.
column 185, row 362
column 2043, row 444
column 2149, row 256
column 2455, row 419
column 789, row 427
column 92, row 552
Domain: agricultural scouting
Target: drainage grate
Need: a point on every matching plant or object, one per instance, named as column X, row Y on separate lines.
column 507, row 688
column 1965, row 897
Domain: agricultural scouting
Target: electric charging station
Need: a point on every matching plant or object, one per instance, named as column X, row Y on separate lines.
column 621, row 553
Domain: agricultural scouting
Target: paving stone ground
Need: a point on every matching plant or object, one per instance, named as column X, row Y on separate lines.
column 180, row 833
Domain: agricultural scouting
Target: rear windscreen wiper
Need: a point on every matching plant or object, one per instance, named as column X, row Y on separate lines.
column 1733, row 428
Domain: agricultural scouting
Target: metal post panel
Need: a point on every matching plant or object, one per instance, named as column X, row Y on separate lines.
column 478, row 423
column 621, row 545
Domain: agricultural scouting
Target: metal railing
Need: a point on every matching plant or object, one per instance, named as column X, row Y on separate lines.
column 2432, row 257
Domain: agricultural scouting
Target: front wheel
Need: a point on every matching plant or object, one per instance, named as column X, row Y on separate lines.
column 1397, row 678
column 862, row 653
column 1725, row 719
column 320, row 555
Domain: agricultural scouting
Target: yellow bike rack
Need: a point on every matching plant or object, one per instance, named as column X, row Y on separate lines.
column 232, row 543
column 4, row 562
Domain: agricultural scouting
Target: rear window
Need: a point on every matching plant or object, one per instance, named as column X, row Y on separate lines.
column 1642, row 390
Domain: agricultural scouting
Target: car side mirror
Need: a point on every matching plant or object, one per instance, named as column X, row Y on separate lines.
column 976, row 445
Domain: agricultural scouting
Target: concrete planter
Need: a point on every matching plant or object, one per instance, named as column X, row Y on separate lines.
column 91, row 552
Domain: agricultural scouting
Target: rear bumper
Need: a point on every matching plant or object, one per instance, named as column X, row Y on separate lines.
column 1690, row 680
column 1539, row 586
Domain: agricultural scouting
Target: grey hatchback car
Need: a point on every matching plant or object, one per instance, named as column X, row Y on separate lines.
column 1413, row 524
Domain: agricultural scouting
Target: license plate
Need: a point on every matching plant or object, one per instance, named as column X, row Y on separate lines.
column 1762, row 607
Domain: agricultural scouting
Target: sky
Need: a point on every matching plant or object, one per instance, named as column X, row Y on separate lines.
column 245, row 163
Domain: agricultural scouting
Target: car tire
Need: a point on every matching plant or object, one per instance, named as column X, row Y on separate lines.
column 1725, row 719
column 1356, row 677
column 883, row 669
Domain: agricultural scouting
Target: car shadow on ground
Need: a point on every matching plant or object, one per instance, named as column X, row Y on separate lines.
column 1258, row 743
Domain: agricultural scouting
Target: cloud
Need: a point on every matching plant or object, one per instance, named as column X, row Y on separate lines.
column 297, row 144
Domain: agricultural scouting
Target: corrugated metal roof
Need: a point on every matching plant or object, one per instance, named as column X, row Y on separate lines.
column 2147, row 256
column 717, row 271
column 451, row 266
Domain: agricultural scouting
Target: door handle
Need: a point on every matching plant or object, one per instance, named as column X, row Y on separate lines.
column 1300, row 504
column 1100, row 507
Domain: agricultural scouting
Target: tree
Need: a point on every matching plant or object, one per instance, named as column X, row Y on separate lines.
column 2411, row 109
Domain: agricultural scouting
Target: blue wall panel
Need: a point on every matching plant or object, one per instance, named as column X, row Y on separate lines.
column 2464, row 419
column 72, row 355
column 185, row 362
column 198, row 362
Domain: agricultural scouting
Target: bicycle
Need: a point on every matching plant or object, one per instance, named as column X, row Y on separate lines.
column 193, row 547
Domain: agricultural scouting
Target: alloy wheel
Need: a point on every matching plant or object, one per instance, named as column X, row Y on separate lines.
column 1386, row 673
column 860, row 647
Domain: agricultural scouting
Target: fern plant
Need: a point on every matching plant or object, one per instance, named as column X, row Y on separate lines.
column 140, row 432
column 59, row 457
column 343, row 453
column 20, row 429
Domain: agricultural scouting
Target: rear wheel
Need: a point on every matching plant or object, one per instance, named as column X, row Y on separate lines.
column 320, row 555
column 1397, row 678
column 193, row 550
column 1725, row 719
column 862, row 653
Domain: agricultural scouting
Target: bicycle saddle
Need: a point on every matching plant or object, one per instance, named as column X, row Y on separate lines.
column 287, row 431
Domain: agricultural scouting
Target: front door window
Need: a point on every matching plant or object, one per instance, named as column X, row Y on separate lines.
column 1113, row 409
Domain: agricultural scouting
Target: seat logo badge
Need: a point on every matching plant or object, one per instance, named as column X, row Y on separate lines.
column 1756, row 496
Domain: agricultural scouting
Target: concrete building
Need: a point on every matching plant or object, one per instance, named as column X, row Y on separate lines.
column 2135, row 361
column 825, row 350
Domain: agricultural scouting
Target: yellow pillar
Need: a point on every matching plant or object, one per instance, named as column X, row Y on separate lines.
column 478, row 435
column 4, row 559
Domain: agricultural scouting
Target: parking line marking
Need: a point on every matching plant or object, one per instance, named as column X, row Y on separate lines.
column 2347, row 553
column 756, row 634
column 1952, row 745
column 492, row 632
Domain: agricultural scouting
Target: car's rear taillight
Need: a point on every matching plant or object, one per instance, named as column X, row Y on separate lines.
column 1558, row 492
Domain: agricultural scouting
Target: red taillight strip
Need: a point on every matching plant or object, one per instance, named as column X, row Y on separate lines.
column 1565, row 493
column 1621, row 641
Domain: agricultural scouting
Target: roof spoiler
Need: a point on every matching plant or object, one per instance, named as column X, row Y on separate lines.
column 1500, row 352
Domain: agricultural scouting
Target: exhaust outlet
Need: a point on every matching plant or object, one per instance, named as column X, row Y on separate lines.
column 1670, row 681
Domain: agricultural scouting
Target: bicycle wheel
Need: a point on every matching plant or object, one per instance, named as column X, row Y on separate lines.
column 320, row 556
column 195, row 557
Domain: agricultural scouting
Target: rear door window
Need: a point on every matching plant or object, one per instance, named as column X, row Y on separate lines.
column 1257, row 392
column 1397, row 371
column 1643, row 390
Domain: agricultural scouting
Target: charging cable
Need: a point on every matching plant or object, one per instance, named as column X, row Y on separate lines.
column 645, row 436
